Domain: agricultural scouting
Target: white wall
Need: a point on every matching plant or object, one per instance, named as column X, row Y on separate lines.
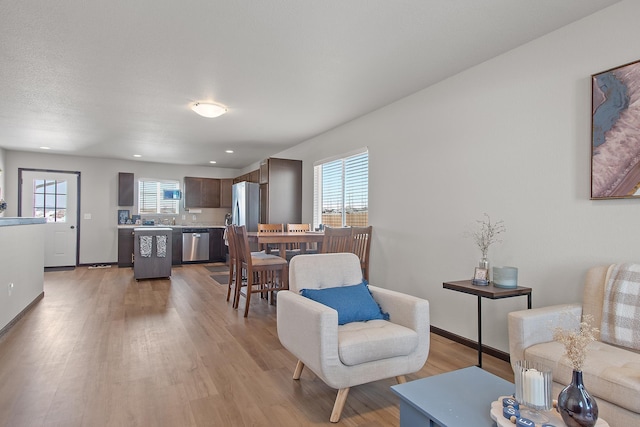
column 21, row 267
column 510, row 137
column 99, row 186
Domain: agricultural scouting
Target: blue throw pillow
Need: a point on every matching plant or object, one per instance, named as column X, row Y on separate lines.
column 353, row 303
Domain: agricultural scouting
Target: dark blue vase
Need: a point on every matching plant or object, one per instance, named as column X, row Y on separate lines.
column 577, row 408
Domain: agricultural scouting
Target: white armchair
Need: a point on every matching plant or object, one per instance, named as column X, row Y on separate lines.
column 355, row 353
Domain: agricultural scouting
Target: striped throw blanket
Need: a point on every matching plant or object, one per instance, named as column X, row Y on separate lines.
column 621, row 310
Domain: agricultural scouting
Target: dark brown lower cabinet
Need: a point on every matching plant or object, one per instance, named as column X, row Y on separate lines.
column 217, row 248
column 176, row 246
column 125, row 247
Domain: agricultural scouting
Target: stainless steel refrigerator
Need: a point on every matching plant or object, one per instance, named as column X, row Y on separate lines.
column 245, row 207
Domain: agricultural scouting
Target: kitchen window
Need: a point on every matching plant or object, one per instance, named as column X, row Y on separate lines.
column 151, row 200
column 341, row 190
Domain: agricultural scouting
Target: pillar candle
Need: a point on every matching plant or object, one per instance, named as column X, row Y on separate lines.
column 533, row 387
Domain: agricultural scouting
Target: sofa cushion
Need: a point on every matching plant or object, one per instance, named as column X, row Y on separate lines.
column 361, row 342
column 353, row 303
column 608, row 371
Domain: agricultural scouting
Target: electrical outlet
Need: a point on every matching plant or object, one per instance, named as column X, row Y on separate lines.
column 10, row 288
column 184, row 217
column 193, row 217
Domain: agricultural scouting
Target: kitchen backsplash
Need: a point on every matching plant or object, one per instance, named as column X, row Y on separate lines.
column 213, row 216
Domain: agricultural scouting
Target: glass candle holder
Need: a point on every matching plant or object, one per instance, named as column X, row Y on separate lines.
column 533, row 389
column 505, row 277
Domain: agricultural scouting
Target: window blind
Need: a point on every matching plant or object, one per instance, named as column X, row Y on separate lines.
column 151, row 200
column 341, row 191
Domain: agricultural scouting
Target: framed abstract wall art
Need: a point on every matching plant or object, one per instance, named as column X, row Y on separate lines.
column 615, row 133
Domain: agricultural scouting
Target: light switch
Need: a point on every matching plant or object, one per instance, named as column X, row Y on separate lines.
column 87, row 216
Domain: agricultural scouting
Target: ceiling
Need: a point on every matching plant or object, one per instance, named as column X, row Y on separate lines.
column 116, row 78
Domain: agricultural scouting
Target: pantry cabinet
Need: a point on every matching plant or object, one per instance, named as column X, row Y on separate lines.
column 280, row 191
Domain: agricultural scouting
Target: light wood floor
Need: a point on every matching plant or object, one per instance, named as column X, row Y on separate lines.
column 104, row 350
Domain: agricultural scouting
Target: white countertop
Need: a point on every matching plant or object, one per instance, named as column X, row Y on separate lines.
column 6, row 221
column 147, row 229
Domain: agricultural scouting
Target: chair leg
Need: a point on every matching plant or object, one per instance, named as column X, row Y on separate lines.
column 298, row 371
column 401, row 379
column 230, row 280
column 239, row 276
column 341, row 398
column 248, row 297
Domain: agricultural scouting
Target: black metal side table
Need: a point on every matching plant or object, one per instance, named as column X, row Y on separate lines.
column 488, row 291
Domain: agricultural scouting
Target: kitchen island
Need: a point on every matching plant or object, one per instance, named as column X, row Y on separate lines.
column 22, row 267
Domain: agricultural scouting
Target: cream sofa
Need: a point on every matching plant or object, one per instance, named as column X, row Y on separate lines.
column 611, row 374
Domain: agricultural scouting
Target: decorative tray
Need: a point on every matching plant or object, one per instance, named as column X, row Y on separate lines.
column 554, row 417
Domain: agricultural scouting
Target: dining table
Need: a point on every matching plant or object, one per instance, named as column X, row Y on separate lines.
column 282, row 238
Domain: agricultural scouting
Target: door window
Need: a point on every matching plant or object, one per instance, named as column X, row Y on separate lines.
column 50, row 200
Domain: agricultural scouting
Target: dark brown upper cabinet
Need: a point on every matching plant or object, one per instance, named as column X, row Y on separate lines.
column 201, row 192
column 226, row 192
column 125, row 189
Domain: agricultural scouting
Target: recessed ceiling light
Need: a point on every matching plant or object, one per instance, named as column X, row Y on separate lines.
column 209, row 109
column 212, row 161
column 137, row 155
column 229, row 151
column 45, row 148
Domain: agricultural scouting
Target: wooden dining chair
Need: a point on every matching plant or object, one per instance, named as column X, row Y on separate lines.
column 269, row 228
column 297, row 228
column 264, row 273
column 361, row 246
column 336, row 240
column 233, row 261
column 294, row 248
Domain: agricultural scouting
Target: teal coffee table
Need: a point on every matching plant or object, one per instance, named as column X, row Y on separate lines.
column 460, row 398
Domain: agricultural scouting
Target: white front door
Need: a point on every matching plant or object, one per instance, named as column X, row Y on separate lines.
column 54, row 196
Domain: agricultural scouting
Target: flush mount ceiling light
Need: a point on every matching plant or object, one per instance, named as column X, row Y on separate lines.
column 209, row 109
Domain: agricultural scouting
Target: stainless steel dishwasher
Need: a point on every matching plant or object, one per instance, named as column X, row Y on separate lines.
column 195, row 244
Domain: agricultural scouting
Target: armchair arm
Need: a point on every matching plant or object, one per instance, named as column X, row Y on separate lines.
column 410, row 312
column 530, row 327
column 406, row 310
column 308, row 329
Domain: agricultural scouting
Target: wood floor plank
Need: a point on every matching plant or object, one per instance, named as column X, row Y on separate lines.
column 102, row 349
